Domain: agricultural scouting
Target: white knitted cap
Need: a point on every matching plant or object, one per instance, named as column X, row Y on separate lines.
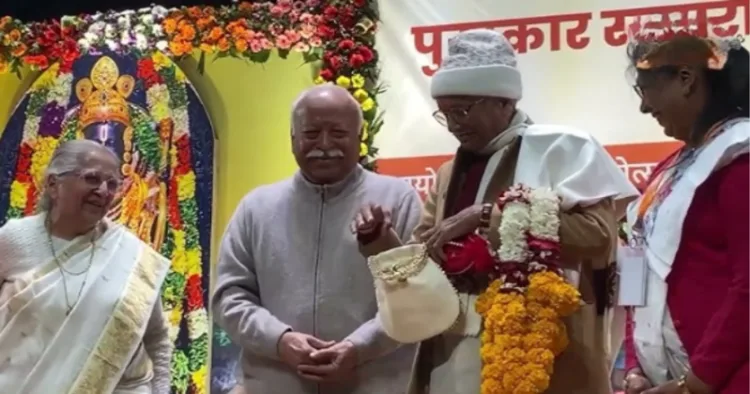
column 480, row 62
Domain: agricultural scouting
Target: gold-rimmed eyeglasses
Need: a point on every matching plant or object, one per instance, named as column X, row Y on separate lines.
column 454, row 114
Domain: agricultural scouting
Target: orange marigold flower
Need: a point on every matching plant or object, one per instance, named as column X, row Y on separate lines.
column 169, row 25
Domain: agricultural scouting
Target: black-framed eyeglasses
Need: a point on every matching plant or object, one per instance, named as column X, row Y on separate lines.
column 455, row 114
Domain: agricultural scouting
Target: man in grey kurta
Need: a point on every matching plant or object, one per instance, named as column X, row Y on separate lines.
column 292, row 289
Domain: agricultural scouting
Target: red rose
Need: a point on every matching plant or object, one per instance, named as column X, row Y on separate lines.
column 346, row 45
column 30, row 200
column 326, row 74
column 330, row 12
column 173, row 206
column 335, row 63
column 325, row 31
column 70, row 53
column 366, row 53
column 356, row 60
column 346, row 19
column 194, row 293
column 360, row 3
column 327, row 55
column 50, row 35
column 470, row 253
column 39, row 61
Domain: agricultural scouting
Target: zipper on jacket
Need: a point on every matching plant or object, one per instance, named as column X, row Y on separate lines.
column 317, row 262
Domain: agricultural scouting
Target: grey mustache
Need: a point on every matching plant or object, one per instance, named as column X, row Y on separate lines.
column 321, row 154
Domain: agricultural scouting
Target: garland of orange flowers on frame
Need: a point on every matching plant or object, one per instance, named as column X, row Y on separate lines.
column 338, row 35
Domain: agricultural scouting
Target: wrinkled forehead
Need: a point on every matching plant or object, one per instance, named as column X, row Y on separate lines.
column 324, row 113
column 99, row 161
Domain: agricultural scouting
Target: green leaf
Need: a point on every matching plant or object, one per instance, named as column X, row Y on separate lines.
column 202, row 63
column 219, row 55
column 310, row 56
column 260, row 57
column 283, row 53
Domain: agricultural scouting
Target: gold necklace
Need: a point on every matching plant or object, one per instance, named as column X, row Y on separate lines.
column 63, row 271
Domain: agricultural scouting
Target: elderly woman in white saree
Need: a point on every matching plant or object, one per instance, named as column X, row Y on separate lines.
column 80, row 310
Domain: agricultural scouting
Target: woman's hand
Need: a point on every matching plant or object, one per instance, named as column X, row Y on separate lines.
column 636, row 383
column 449, row 229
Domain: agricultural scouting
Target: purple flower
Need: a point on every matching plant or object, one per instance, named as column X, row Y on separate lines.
column 52, row 118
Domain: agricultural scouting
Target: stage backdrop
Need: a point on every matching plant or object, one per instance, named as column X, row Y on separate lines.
column 573, row 61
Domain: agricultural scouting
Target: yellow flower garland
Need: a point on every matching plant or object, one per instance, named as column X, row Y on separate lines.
column 18, row 191
column 524, row 332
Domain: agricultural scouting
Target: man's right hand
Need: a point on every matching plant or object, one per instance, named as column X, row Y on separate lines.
column 371, row 222
column 295, row 348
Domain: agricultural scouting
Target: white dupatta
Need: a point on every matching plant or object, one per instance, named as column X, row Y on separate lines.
column 44, row 351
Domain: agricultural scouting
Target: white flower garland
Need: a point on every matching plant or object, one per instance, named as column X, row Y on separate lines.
column 545, row 215
column 181, row 121
column 513, row 226
column 527, row 212
column 31, row 127
column 117, row 30
column 61, row 90
column 197, row 323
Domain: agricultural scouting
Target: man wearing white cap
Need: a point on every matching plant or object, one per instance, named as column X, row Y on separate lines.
column 476, row 91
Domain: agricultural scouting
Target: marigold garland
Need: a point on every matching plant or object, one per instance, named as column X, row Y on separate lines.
column 522, row 309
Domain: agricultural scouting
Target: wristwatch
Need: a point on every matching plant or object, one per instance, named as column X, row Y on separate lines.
column 484, row 219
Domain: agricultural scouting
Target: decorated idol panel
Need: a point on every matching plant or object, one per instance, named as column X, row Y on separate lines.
column 361, row 197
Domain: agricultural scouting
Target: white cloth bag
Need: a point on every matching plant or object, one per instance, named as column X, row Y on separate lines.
column 416, row 301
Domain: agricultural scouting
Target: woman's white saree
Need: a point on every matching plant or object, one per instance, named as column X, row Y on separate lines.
column 44, row 351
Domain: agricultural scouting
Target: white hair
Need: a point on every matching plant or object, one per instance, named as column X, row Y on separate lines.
column 67, row 158
column 326, row 89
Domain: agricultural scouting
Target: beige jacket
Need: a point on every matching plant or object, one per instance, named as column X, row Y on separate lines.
column 588, row 235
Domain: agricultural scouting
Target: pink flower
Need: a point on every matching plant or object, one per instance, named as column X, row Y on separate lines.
column 250, row 35
column 267, row 44
column 294, row 16
column 316, row 42
column 301, row 47
column 307, row 31
column 284, row 3
column 292, row 35
column 256, row 46
column 298, row 5
column 283, row 42
column 277, row 11
column 313, row 3
column 306, row 18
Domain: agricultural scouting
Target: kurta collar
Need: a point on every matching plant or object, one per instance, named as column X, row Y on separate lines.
column 329, row 191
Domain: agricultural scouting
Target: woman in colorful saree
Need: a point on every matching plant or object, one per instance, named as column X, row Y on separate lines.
column 691, row 223
column 80, row 310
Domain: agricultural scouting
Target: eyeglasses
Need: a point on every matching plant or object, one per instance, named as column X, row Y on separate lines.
column 654, row 78
column 454, row 114
column 94, row 180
